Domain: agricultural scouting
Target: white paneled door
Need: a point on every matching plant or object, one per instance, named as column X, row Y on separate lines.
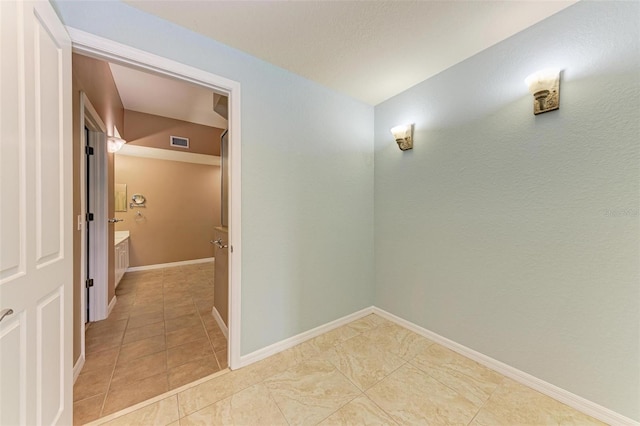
column 35, row 216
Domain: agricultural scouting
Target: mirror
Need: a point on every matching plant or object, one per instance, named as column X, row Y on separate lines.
column 138, row 199
column 120, row 191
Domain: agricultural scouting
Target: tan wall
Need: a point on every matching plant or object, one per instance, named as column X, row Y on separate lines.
column 94, row 78
column 155, row 132
column 182, row 209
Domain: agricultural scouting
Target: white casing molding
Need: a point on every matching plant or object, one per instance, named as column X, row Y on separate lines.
column 572, row 400
column 170, row 265
column 290, row 342
column 221, row 324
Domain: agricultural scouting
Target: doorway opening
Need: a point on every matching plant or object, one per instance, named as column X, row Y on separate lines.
column 95, row 47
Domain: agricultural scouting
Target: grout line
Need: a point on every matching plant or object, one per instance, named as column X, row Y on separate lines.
column 487, row 400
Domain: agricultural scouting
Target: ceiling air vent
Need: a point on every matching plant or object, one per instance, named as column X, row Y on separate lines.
column 179, row 142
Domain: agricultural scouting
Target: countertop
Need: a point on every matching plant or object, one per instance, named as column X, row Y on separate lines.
column 120, row 236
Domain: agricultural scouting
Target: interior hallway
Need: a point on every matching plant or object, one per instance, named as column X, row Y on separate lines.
column 160, row 335
column 370, row 371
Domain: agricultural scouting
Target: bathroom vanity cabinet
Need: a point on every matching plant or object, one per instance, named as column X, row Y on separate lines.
column 121, row 254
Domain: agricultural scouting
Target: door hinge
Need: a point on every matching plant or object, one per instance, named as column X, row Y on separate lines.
column 89, row 283
column 88, row 150
column 89, row 217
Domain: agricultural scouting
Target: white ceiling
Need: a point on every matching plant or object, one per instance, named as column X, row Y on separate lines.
column 166, row 97
column 370, row 50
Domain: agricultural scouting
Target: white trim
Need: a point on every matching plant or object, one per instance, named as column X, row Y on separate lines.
column 168, row 154
column 290, row 342
column 169, row 265
column 221, row 324
column 572, row 400
column 112, row 305
column 105, row 49
column 77, row 368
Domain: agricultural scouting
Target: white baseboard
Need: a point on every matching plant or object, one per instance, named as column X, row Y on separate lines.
column 221, row 324
column 112, row 304
column 579, row 403
column 77, row 368
column 169, row 265
column 290, row 342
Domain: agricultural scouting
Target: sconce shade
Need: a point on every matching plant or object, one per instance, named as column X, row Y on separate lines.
column 403, row 135
column 544, row 85
column 115, row 143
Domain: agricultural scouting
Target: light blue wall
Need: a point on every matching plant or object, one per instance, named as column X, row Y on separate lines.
column 518, row 235
column 307, row 178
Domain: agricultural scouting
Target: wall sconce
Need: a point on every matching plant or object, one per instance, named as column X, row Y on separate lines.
column 114, row 143
column 404, row 136
column 544, row 85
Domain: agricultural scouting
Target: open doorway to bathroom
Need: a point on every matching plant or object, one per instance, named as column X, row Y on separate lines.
column 163, row 329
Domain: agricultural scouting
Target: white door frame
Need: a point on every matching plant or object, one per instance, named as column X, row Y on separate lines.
column 108, row 50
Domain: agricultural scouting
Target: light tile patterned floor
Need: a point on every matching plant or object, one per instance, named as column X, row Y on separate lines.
column 370, row 371
column 160, row 336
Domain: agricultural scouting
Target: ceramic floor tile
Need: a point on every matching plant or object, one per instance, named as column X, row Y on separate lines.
column 179, row 310
column 91, row 383
column 143, row 332
column 191, row 371
column 398, row 340
column 145, row 319
column 472, row 380
column 304, row 351
column 310, row 391
column 185, row 335
column 331, row 338
column 103, row 360
column 137, row 392
column 160, row 413
column 365, row 323
column 185, row 321
column 252, row 406
column 106, row 326
column 363, row 362
column 188, row 352
column 411, row 396
column 221, row 356
column 210, row 323
column 140, row 348
column 231, row 382
column 120, row 312
column 103, row 342
column 218, row 341
column 513, row 403
column 360, row 411
column 87, row 410
column 128, row 372
column 213, row 390
column 144, row 309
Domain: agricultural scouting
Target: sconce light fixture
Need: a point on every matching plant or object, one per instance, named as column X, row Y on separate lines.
column 404, row 136
column 544, row 85
column 114, row 143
